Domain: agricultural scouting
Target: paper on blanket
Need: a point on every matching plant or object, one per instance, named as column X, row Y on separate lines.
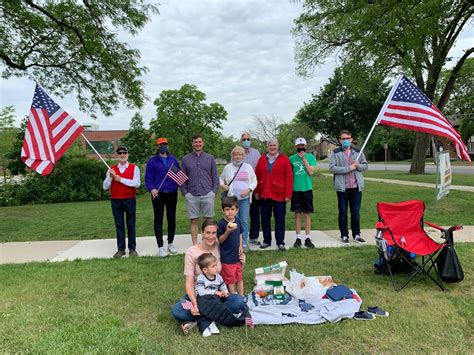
column 275, row 272
column 310, row 289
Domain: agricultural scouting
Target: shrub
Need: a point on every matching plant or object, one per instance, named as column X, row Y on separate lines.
column 73, row 179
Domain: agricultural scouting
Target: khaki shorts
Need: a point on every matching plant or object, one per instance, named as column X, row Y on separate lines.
column 200, row 206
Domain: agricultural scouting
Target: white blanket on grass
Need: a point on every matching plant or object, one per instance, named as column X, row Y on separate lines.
column 324, row 310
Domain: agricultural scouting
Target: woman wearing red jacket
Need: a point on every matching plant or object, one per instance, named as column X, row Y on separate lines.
column 274, row 189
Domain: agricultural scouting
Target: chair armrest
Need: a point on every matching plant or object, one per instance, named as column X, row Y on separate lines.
column 434, row 226
column 381, row 226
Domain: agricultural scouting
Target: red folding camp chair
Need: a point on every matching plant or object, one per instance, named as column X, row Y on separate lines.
column 400, row 236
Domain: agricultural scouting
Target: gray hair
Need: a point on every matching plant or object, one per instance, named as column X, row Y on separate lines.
column 273, row 140
column 245, row 133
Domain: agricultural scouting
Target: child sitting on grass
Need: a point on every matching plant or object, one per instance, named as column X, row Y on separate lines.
column 229, row 234
column 210, row 292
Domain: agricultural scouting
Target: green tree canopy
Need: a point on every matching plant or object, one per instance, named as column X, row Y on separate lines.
column 138, row 140
column 351, row 100
column 412, row 37
column 7, row 136
column 182, row 113
column 70, row 46
column 288, row 132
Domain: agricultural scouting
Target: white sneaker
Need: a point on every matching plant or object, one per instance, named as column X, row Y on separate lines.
column 162, row 253
column 207, row 332
column 172, row 249
column 213, row 328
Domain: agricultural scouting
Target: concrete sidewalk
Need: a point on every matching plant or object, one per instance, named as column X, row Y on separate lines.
column 22, row 252
column 415, row 183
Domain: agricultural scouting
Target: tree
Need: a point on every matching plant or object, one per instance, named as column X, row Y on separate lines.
column 400, row 144
column 392, row 36
column 226, row 146
column 15, row 165
column 138, row 140
column 264, row 128
column 182, row 113
column 67, row 46
column 7, row 136
column 351, row 100
column 461, row 103
column 288, row 132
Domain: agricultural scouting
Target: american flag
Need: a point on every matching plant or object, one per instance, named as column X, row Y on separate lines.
column 50, row 131
column 187, row 305
column 249, row 322
column 407, row 107
column 177, row 175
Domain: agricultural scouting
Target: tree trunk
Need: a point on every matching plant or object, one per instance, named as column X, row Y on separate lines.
column 419, row 153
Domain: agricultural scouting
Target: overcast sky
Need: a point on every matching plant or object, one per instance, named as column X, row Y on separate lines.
column 239, row 53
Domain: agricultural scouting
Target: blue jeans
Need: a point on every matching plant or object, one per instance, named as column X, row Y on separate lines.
column 279, row 211
column 353, row 198
column 119, row 208
column 234, row 303
column 244, row 208
column 254, row 219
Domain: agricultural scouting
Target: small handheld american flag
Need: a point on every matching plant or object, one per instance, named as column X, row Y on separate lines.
column 188, row 305
column 177, row 175
column 249, row 322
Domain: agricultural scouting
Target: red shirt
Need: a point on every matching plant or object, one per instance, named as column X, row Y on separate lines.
column 277, row 184
column 120, row 191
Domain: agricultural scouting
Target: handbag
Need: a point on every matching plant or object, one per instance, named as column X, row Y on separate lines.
column 224, row 194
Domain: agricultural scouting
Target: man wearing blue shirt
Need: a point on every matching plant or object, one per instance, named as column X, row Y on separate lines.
column 164, row 193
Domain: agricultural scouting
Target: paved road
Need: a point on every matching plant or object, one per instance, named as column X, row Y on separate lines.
column 463, row 170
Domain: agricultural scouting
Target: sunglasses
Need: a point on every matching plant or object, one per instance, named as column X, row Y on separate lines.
column 122, row 153
column 246, row 139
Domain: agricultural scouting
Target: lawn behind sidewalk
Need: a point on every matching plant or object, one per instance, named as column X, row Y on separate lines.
column 93, row 220
column 465, row 180
column 123, row 306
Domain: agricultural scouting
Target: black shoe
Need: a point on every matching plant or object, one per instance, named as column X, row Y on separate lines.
column 297, row 243
column 281, row 247
column 345, row 240
column 264, row 246
column 359, row 239
column 133, row 253
column 254, row 241
column 363, row 315
column 119, row 254
column 308, row 243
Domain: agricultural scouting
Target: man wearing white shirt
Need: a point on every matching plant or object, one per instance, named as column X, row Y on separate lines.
column 122, row 180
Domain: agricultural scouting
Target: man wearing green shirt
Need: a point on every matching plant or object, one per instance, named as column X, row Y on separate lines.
column 303, row 165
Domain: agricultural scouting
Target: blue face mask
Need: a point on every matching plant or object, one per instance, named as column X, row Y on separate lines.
column 163, row 149
column 246, row 144
column 346, row 143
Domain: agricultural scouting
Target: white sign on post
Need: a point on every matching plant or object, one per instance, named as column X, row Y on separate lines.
column 445, row 175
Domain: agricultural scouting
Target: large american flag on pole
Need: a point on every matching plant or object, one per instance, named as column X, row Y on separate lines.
column 50, row 131
column 407, row 107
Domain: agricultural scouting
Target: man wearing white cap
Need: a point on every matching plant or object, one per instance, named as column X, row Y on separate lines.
column 303, row 165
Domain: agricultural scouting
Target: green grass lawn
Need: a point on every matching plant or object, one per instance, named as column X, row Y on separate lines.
column 123, row 306
column 466, row 180
column 93, row 220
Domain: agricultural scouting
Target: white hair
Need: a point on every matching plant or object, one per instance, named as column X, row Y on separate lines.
column 272, row 140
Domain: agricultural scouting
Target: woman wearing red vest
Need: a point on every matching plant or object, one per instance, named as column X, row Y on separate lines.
column 274, row 190
column 123, row 179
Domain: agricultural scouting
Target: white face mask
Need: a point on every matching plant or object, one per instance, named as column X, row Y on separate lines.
column 236, row 162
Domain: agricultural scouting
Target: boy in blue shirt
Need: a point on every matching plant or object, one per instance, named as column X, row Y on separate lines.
column 229, row 234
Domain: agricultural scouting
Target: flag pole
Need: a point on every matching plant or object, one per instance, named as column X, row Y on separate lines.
column 389, row 97
column 162, row 181
column 83, row 136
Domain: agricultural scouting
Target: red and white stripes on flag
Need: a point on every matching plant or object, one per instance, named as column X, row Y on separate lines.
column 188, row 305
column 177, row 175
column 249, row 322
column 407, row 107
column 50, row 131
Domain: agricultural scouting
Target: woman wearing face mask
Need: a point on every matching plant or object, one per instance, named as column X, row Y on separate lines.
column 238, row 179
column 164, row 193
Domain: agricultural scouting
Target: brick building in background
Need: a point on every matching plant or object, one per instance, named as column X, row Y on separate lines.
column 105, row 142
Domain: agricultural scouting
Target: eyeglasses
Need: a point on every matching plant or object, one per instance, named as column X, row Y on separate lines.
column 122, row 153
column 246, row 139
